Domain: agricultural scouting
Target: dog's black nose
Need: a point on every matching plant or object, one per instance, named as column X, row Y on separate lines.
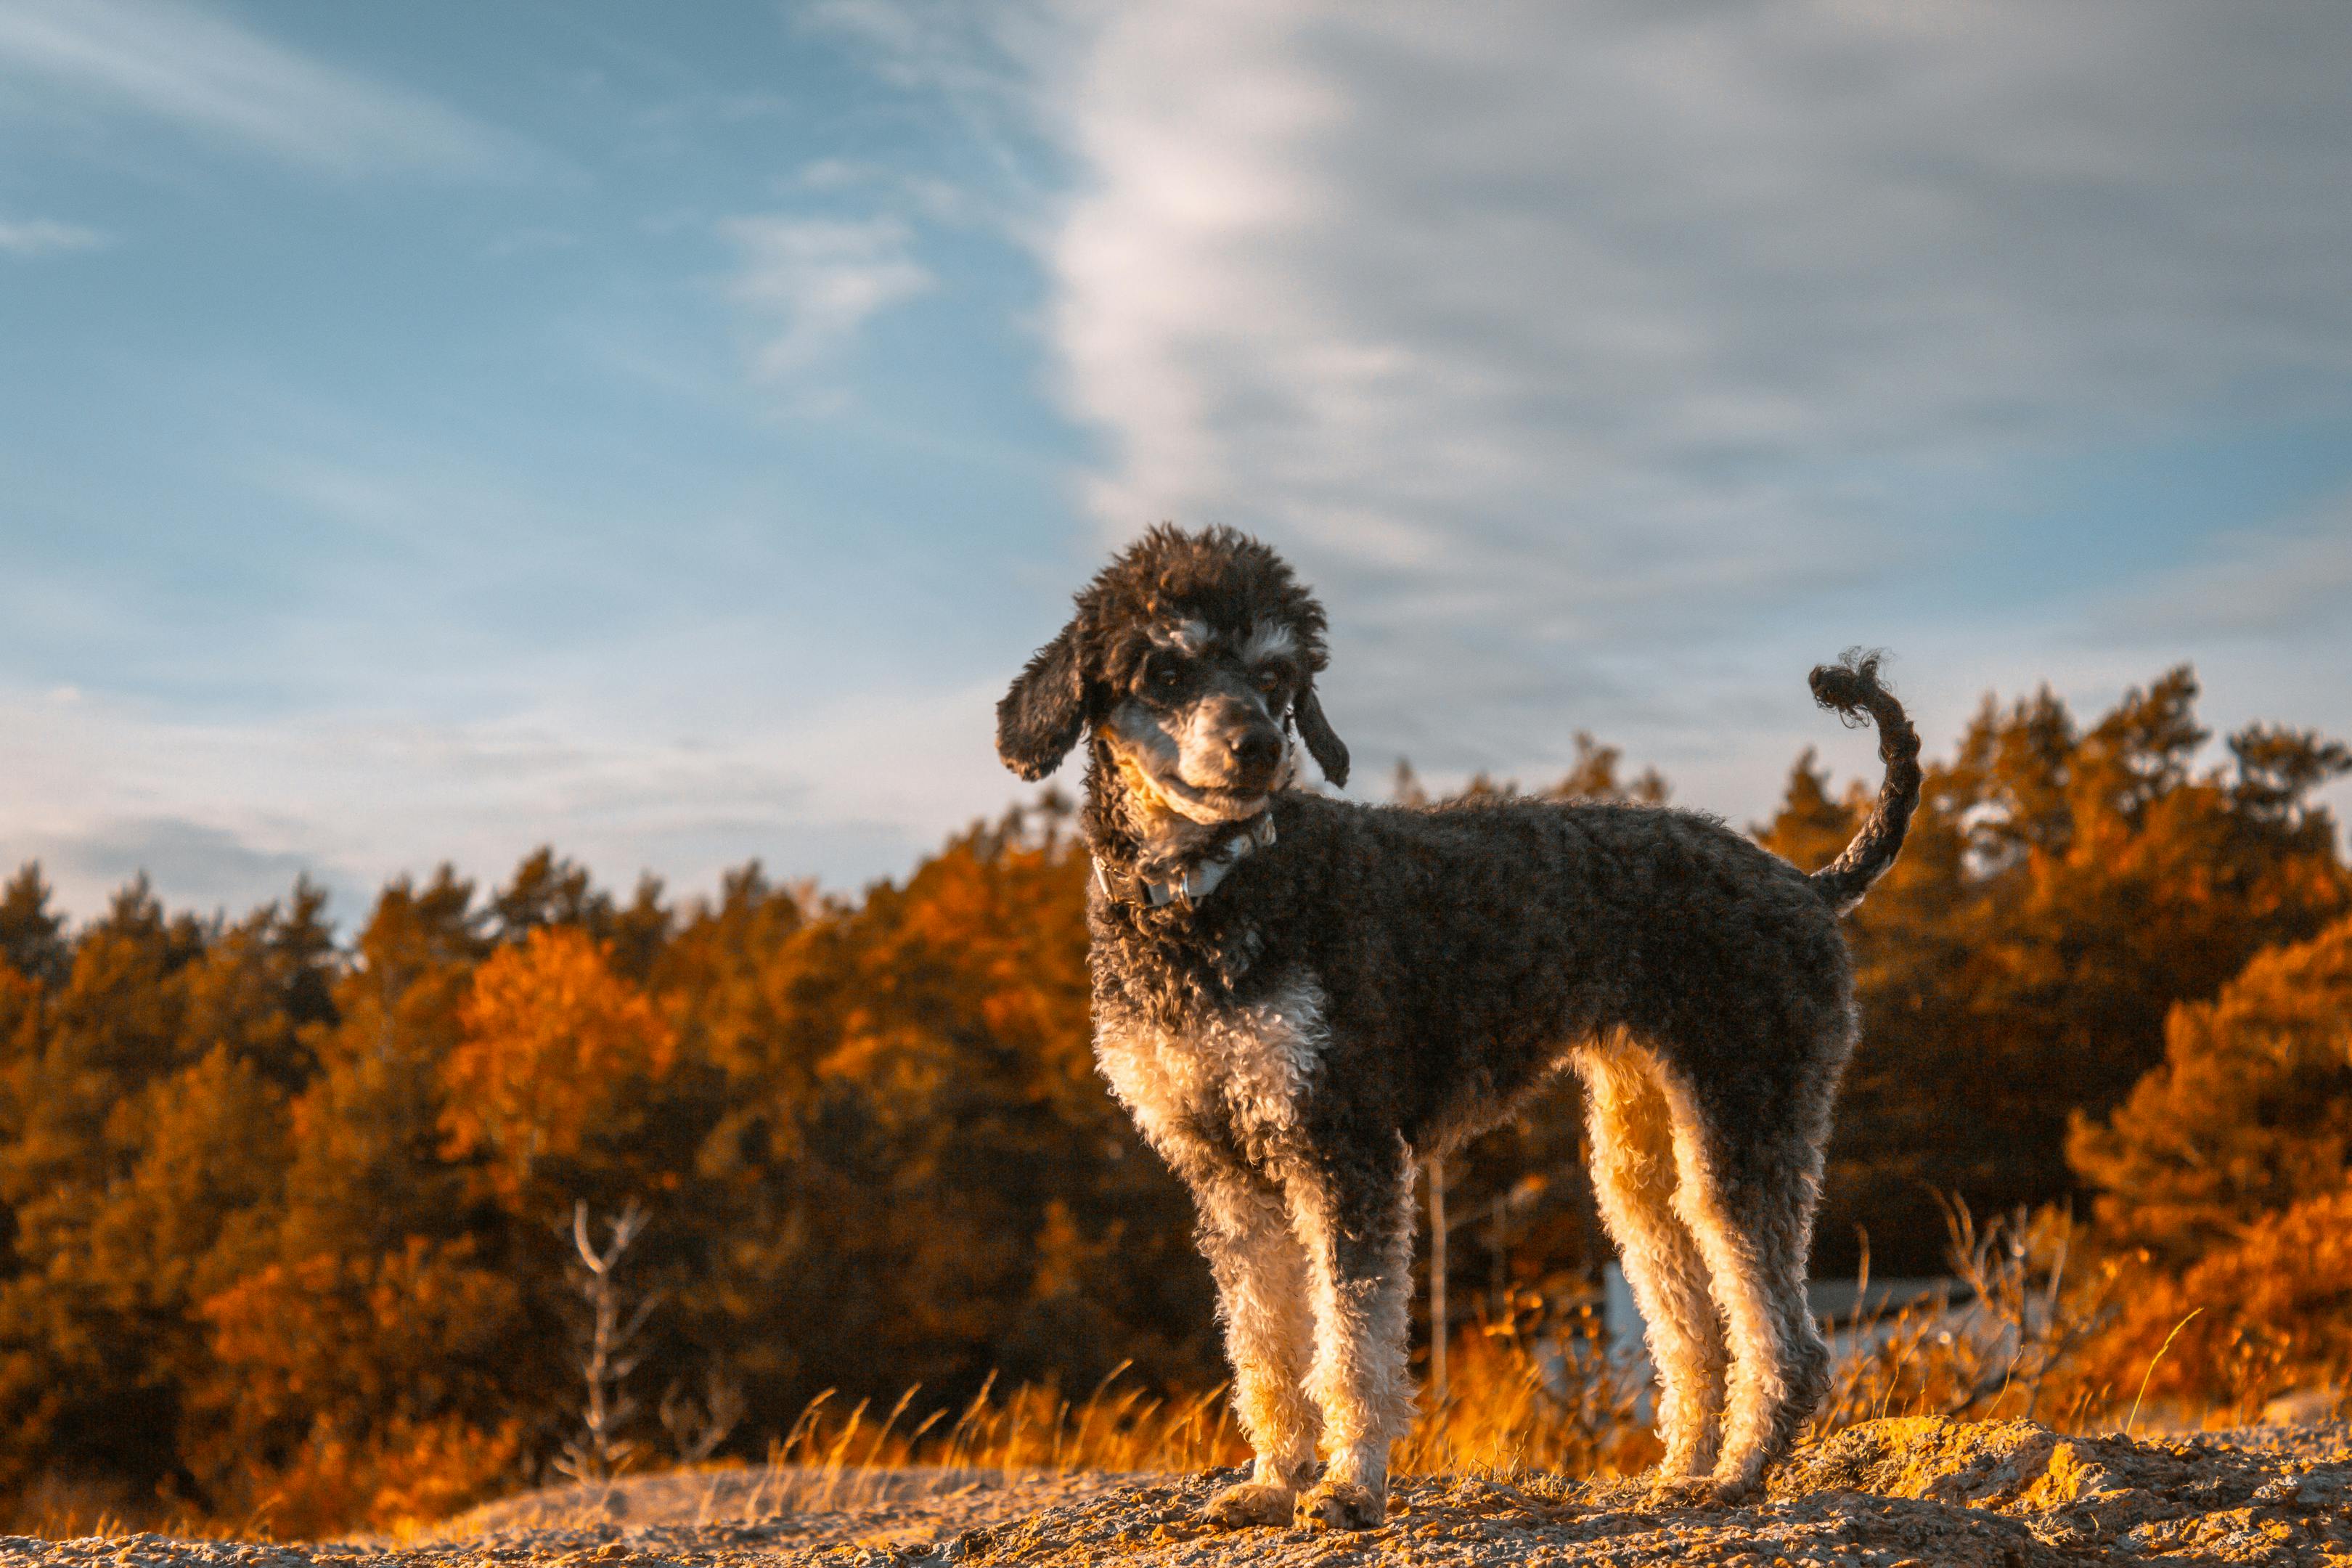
column 1258, row 751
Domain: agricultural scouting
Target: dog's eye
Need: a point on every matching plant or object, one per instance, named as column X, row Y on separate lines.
column 1162, row 673
column 1273, row 679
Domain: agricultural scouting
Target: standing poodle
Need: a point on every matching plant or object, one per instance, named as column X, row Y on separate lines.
column 1296, row 996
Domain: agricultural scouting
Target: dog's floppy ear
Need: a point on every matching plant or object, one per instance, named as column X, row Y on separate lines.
column 1039, row 720
column 1331, row 751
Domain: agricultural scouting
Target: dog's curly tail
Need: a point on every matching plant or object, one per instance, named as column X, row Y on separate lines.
column 1851, row 688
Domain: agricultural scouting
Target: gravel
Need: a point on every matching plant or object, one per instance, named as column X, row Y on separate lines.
column 1904, row 1493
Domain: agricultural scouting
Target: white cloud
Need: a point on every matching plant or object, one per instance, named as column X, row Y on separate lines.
column 1578, row 350
column 814, row 282
column 197, row 69
column 47, row 236
column 1577, row 353
column 1607, row 364
column 222, row 811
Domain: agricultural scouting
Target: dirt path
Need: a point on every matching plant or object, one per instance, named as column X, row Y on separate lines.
column 1890, row 1494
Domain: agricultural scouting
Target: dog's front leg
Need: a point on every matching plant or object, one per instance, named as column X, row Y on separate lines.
column 1354, row 1217
column 1263, row 1297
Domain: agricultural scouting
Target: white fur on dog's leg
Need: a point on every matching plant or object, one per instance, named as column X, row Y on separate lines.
column 1263, row 1297
column 1631, row 1133
column 1359, row 1266
column 1754, row 1225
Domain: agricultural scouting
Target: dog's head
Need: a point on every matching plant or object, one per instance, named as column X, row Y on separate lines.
column 1193, row 657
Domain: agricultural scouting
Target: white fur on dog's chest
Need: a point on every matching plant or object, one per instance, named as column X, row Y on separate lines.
column 1246, row 1068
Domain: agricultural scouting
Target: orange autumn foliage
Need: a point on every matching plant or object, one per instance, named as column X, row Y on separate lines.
column 2250, row 1111
column 407, row 1475
column 556, row 1050
column 284, row 1212
column 2062, row 888
column 314, row 1356
column 344, row 1335
column 2226, row 1184
column 2267, row 1314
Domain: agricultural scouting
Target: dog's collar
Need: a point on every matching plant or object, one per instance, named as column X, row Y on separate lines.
column 1198, row 883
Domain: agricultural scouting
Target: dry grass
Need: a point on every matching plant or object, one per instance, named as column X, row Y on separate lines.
column 2029, row 1330
column 2019, row 1334
column 1516, row 1399
column 2003, row 1341
column 64, row 1508
column 1032, row 1427
column 1523, row 1394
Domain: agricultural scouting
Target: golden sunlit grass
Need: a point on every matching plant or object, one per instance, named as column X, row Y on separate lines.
column 2025, row 1330
column 61, row 1508
column 1513, row 1402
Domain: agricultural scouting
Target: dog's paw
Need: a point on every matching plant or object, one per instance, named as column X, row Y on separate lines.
column 1701, row 1491
column 1335, row 1504
column 1250, row 1503
column 1683, row 1491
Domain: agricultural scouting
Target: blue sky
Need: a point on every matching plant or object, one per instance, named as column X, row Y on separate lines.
column 430, row 430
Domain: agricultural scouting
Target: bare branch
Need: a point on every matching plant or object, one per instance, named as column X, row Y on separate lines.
column 599, row 1451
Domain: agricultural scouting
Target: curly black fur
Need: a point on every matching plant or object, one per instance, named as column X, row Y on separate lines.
column 1384, row 982
column 1222, row 577
column 1852, row 689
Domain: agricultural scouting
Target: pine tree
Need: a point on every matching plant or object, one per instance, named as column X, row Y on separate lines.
column 2061, row 890
column 1593, row 777
column 363, row 1320
column 264, row 984
column 32, row 935
column 2249, row 1113
column 366, row 1171
column 80, row 1389
column 549, row 890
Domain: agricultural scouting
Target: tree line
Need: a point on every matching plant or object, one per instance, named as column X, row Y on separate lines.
column 286, row 1221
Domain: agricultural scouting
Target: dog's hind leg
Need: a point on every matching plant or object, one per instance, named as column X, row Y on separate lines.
column 1354, row 1216
column 1750, row 1176
column 1631, row 1131
column 1263, row 1298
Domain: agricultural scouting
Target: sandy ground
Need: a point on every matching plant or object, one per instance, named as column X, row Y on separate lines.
column 1888, row 1494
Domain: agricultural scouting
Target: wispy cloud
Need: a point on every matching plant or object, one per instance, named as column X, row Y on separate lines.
column 47, row 237
column 1605, row 365
column 228, row 812
column 1578, row 342
column 813, row 283
column 2293, row 580
column 983, row 58
column 195, row 862
column 996, row 76
column 197, row 69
